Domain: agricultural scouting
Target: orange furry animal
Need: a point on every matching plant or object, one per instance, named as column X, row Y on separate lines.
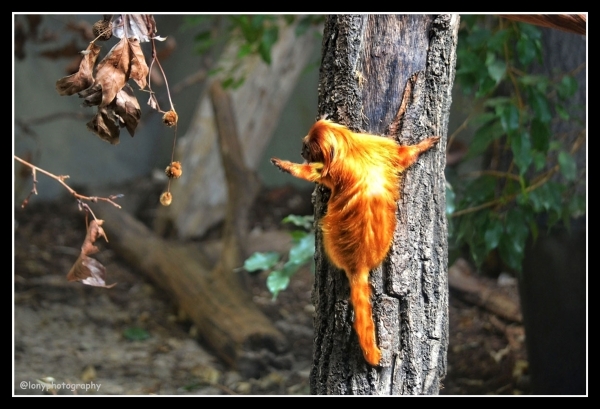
column 363, row 172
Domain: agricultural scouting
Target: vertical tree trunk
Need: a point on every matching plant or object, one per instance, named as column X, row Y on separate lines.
column 366, row 64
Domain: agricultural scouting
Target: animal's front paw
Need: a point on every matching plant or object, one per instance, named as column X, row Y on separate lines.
column 280, row 164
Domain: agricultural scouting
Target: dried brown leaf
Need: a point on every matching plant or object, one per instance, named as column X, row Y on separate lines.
column 94, row 232
column 140, row 26
column 127, row 109
column 139, row 68
column 112, row 71
column 92, row 95
column 89, row 271
column 86, row 269
column 105, row 124
column 83, row 78
column 125, row 60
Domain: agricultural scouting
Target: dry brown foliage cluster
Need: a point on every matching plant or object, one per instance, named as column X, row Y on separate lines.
column 106, row 84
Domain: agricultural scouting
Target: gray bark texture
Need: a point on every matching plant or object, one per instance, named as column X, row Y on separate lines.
column 367, row 62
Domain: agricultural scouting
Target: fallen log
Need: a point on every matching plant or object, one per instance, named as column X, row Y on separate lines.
column 482, row 292
column 224, row 314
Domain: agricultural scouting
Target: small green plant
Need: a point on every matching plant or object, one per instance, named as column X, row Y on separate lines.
column 301, row 253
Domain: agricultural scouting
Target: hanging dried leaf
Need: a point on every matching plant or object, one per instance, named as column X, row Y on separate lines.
column 92, row 96
column 125, row 60
column 127, row 108
column 139, row 69
column 105, row 124
column 89, row 271
column 86, row 269
column 83, row 78
column 94, row 232
column 140, row 26
column 112, row 71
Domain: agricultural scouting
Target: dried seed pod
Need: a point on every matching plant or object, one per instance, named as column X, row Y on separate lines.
column 166, row 198
column 170, row 118
column 102, row 29
column 173, row 171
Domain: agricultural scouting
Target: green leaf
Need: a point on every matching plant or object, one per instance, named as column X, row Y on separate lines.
column 496, row 69
column 539, row 160
column 482, row 138
column 521, row 148
column 479, row 190
column 306, row 222
column 269, row 38
column 244, row 50
column 486, row 85
column 526, row 51
column 227, row 82
column 540, row 135
column 562, row 112
column 477, row 244
column 135, row 334
column 483, row 118
column 567, row 87
column 297, row 235
column 547, row 198
column 478, row 37
column 567, row 164
column 497, row 41
column 276, row 282
column 492, row 234
column 539, row 104
column 303, row 250
column 509, row 117
column 530, row 31
column 512, row 244
column 261, row 261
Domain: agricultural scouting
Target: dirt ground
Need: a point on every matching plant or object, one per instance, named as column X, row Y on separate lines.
column 132, row 340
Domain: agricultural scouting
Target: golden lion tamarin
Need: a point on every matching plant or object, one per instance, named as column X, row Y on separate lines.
column 363, row 172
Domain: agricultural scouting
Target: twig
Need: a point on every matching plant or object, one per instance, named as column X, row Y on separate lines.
column 61, row 179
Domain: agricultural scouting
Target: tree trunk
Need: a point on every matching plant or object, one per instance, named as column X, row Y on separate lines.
column 367, row 61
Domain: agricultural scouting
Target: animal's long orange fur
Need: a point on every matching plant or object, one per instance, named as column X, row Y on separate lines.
column 363, row 172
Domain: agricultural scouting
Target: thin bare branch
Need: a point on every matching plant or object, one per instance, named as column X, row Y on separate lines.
column 61, row 179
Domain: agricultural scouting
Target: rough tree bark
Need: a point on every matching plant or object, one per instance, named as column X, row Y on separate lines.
column 367, row 61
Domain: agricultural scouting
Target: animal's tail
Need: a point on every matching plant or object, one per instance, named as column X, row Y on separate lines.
column 360, row 297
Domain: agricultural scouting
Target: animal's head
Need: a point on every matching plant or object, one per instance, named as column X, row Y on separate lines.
column 325, row 144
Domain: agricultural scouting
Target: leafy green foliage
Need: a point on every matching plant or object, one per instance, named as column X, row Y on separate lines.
column 529, row 174
column 301, row 253
column 255, row 34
